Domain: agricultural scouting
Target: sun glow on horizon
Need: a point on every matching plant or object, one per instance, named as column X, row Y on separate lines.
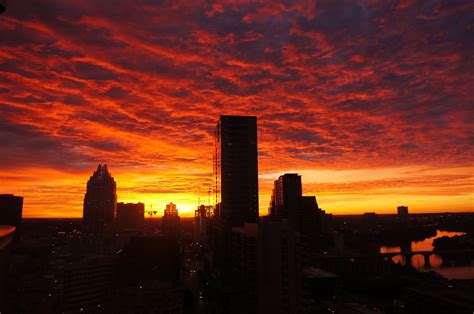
column 423, row 189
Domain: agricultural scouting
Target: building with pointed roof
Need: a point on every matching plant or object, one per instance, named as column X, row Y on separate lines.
column 100, row 202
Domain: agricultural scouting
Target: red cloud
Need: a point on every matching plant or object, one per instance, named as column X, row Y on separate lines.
column 335, row 85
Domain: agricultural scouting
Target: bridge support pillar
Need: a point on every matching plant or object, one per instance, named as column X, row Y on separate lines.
column 427, row 260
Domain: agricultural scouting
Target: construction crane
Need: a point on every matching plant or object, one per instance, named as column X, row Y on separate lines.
column 3, row 6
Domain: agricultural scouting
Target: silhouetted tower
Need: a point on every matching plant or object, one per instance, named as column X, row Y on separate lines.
column 402, row 212
column 202, row 215
column 236, row 170
column 311, row 216
column 171, row 224
column 100, row 202
column 287, row 199
column 170, row 210
column 369, row 222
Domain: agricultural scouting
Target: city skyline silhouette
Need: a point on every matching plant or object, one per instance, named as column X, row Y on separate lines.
column 236, row 157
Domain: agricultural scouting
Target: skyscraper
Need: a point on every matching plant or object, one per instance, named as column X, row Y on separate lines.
column 279, row 268
column 130, row 215
column 402, row 212
column 170, row 210
column 11, row 208
column 171, row 224
column 287, row 199
column 202, row 215
column 311, row 216
column 100, row 202
column 265, row 268
column 369, row 221
column 236, row 170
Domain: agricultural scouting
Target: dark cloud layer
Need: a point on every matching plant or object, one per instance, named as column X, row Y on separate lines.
column 335, row 84
column 343, row 72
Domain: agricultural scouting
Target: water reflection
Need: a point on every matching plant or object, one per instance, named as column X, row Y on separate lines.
column 427, row 244
column 436, row 261
column 399, row 259
column 424, row 245
column 418, row 261
column 458, row 272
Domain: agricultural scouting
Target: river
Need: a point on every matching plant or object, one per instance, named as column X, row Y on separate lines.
column 436, row 261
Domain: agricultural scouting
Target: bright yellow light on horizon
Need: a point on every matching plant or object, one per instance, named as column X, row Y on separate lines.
column 51, row 193
column 185, row 203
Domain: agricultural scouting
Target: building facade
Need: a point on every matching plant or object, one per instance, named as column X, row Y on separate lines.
column 6, row 238
column 171, row 223
column 202, row 216
column 100, row 202
column 287, row 199
column 11, row 209
column 236, row 170
column 130, row 215
column 403, row 218
column 86, row 285
column 266, row 269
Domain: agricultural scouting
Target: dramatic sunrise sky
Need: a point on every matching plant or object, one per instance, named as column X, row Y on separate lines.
column 370, row 101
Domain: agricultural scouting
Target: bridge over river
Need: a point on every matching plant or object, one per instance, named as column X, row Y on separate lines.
column 383, row 262
column 445, row 255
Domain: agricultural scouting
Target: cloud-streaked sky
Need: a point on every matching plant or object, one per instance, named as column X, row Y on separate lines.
column 371, row 101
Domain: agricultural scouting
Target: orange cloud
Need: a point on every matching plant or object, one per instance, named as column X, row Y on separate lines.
column 363, row 93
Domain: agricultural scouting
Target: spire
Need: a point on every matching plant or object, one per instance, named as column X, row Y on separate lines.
column 102, row 171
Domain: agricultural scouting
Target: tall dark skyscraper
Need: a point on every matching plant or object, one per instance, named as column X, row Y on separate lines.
column 286, row 200
column 302, row 213
column 236, row 169
column 11, row 208
column 100, row 202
